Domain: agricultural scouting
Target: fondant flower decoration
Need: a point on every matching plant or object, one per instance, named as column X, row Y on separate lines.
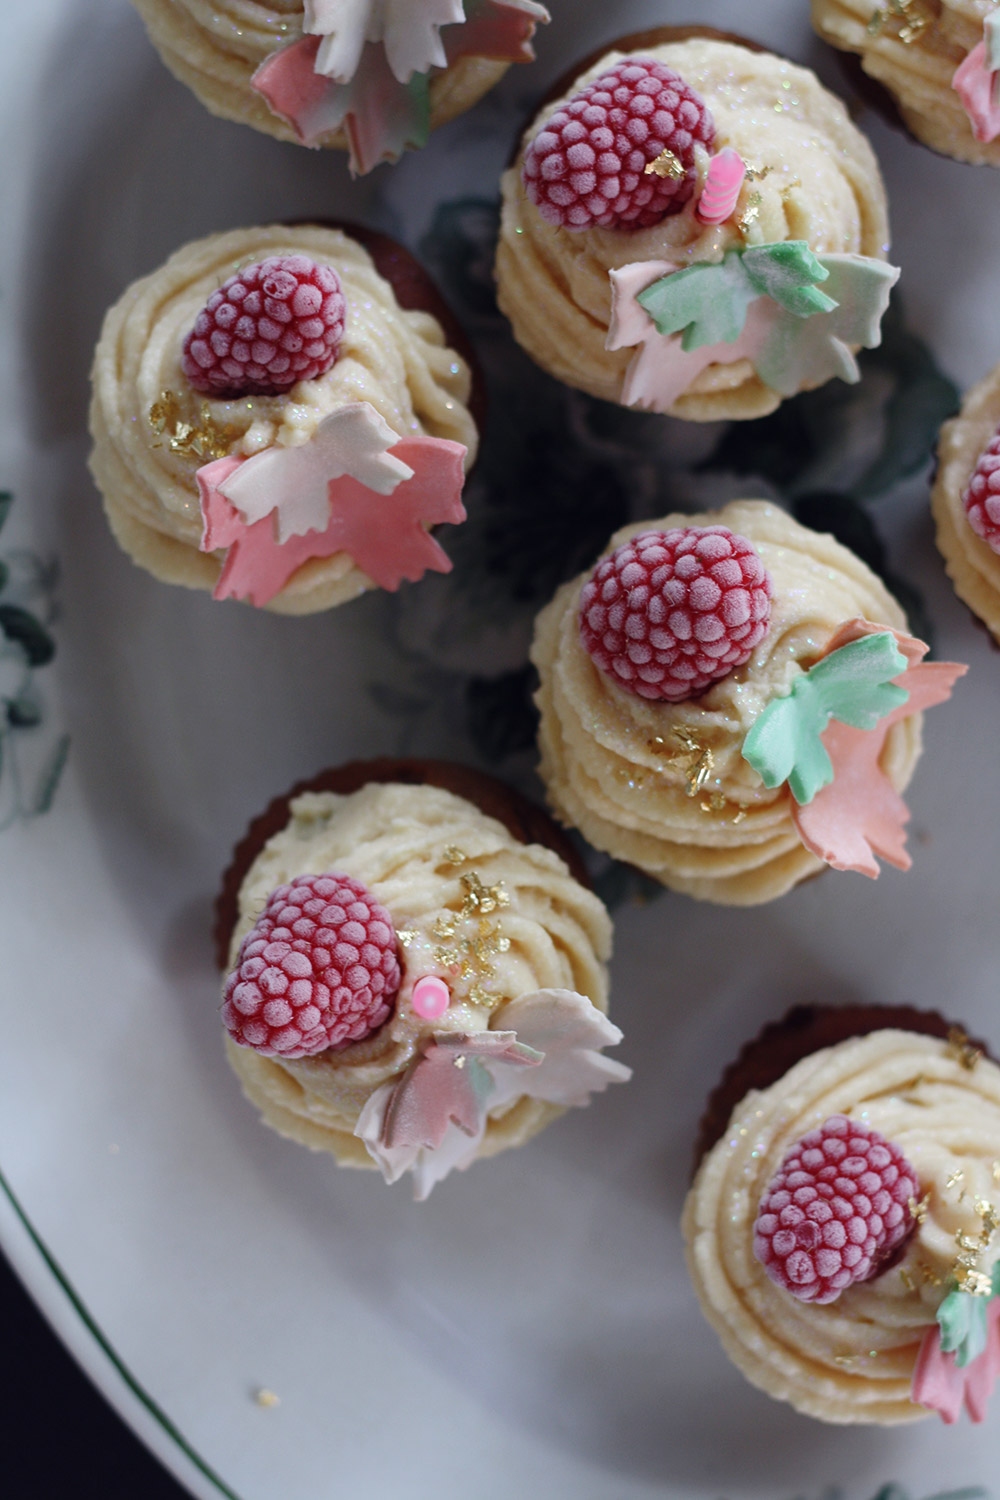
column 959, row 1359
column 794, row 315
column 364, row 66
column 853, row 684
column 546, row 1045
column 859, row 814
column 355, row 487
column 977, row 82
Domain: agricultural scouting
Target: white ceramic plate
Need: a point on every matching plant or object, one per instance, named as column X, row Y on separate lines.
column 530, row 1330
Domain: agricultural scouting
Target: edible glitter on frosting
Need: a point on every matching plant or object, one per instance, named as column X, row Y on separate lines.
column 853, row 1360
column 401, row 842
column 615, row 766
column 817, row 180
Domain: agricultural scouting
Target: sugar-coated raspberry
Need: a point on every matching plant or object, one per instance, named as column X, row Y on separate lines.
column 266, row 328
column 587, row 164
column 835, row 1210
column 318, row 969
column 671, row 612
column 982, row 496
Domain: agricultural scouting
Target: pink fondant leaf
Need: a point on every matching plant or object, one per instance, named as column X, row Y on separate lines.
column 380, row 115
column 977, row 88
column 431, row 1121
column 942, row 1385
column 499, row 29
column 384, row 534
column 860, row 814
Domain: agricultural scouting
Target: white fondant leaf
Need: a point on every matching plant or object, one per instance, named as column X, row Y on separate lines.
column 294, row 482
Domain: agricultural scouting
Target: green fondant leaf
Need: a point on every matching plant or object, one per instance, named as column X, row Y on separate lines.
column 708, row 303
column 807, row 351
column 853, row 684
column 787, row 272
column 962, row 1320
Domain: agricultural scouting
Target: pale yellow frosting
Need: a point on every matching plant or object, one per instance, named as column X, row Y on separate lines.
column 821, row 184
column 396, row 360
column 851, row 1360
column 621, row 768
column 972, row 565
column 916, row 63
column 402, row 842
column 216, row 46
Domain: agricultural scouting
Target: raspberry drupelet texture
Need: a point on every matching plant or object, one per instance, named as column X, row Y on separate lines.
column 587, row 165
column 835, row 1210
column 671, row 612
column 982, row 497
column 318, row 969
column 266, row 328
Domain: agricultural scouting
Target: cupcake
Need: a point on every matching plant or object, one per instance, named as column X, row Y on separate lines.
column 843, row 1226
column 696, row 227
column 279, row 414
column 416, row 970
column 937, row 61
column 372, row 82
column 965, row 500
column 698, row 709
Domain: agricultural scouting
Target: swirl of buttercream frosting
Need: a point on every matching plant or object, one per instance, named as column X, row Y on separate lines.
column 216, row 46
column 971, row 564
column 914, row 57
column 851, row 1360
column 404, row 843
column 394, row 359
column 814, row 178
column 620, row 767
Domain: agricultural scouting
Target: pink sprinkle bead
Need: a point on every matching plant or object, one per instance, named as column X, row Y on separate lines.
column 431, row 997
column 722, row 187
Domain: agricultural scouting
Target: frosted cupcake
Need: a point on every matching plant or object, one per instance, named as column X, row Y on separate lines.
column 843, row 1227
column 416, row 977
column 698, row 708
column 965, row 500
column 365, row 77
column 273, row 423
column 694, row 227
column 938, row 61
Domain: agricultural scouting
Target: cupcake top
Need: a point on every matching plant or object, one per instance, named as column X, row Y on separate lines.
column 938, row 61
column 393, row 379
column 810, row 179
column 920, row 1108
column 665, row 781
column 966, row 510
column 520, row 945
column 368, row 78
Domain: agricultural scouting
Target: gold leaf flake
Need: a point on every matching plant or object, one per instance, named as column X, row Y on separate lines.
column 204, row 439
column 667, row 164
column 907, row 1279
column 406, row 936
column 956, row 1179
column 454, row 856
column 918, row 1211
column 962, row 1050
column 750, row 214
column 458, row 1062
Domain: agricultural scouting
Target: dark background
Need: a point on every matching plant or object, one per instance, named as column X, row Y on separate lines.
column 58, row 1437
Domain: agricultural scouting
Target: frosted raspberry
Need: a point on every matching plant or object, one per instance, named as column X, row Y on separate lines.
column 266, row 328
column 982, row 497
column 587, row 164
column 835, row 1210
column 671, row 612
column 317, row 970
